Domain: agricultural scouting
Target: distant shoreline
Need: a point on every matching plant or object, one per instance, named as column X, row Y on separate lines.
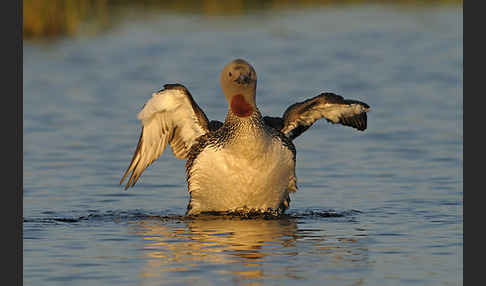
column 44, row 19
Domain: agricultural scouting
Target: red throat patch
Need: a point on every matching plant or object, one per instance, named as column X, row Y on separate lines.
column 240, row 107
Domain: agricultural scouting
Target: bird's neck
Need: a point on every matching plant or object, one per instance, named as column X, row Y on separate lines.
column 246, row 135
column 244, row 126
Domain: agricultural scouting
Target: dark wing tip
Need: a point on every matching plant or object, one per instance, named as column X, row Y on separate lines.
column 358, row 121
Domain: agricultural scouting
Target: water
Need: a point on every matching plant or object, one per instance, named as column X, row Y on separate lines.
column 380, row 207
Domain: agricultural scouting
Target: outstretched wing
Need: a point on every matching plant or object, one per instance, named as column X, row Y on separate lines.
column 334, row 108
column 172, row 117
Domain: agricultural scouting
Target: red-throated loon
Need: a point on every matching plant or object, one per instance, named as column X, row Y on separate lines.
column 247, row 163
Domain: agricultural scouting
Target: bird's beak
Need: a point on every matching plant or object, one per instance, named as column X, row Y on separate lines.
column 243, row 79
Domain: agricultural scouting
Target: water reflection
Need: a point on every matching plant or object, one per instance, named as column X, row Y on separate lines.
column 241, row 250
column 181, row 246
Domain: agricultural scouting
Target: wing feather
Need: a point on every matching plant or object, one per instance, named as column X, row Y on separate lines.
column 170, row 117
column 334, row 108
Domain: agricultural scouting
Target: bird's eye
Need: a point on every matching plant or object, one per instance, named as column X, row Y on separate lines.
column 230, row 74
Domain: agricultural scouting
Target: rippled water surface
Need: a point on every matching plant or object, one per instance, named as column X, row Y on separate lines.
column 380, row 207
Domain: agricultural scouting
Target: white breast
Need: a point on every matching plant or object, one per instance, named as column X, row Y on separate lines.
column 253, row 173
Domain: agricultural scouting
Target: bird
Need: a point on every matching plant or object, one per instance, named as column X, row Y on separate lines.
column 244, row 165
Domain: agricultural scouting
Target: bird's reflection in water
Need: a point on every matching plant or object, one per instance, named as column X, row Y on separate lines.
column 225, row 248
column 191, row 246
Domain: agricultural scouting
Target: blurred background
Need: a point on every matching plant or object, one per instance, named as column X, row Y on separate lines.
column 379, row 207
column 57, row 18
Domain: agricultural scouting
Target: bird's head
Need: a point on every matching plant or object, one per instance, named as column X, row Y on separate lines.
column 238, row 81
